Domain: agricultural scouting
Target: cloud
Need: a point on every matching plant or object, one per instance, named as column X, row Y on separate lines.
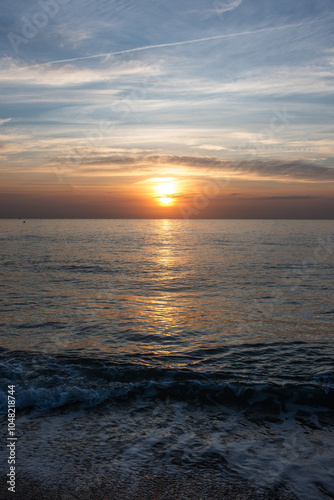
column 287, row 197
column 225, row 5
column 299, row 170
column 293, row 197
column 175, row 44
column 74, row 35
column 210, row 147
column 278, row 169
column 17, row 72
column 282, row 80
column 13, row 137
column 4, row 120
column 301, row 80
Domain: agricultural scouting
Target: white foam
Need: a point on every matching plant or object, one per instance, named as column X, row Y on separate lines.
column 179, row 437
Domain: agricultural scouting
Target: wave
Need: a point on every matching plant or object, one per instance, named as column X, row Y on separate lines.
column 48, row 383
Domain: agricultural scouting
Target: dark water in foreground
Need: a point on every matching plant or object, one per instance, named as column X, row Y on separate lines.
column 171, row 345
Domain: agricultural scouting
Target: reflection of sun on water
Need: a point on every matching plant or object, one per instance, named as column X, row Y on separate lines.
column 166, row 190
column 164, row 310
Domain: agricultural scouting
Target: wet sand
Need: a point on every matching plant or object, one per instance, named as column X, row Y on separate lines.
column 198, row 487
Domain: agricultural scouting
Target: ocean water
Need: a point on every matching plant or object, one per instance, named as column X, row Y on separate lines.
column 171, row 345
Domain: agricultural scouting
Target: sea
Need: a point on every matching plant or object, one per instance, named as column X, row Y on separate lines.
column 170, row 346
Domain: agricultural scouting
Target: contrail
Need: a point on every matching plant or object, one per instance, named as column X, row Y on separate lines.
column 172, row 44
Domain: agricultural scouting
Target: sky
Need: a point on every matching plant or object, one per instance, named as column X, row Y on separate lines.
column 156, row 109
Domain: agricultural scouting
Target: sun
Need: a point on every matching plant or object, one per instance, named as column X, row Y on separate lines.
column 166, row 189
column 166, row 200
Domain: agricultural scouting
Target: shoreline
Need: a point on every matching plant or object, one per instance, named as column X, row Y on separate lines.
column 199, row 486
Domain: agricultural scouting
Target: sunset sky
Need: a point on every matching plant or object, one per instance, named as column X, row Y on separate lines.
column 193, row 109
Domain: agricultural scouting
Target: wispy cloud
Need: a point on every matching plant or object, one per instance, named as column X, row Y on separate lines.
column 281, row 170
column 175, row 44
column 221, row 6
column 211, row 147
column 199, row 165
column 4, row 120
column 275, row 198
column 18, row 72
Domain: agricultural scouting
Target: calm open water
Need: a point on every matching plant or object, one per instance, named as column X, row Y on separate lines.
column 171, row 344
